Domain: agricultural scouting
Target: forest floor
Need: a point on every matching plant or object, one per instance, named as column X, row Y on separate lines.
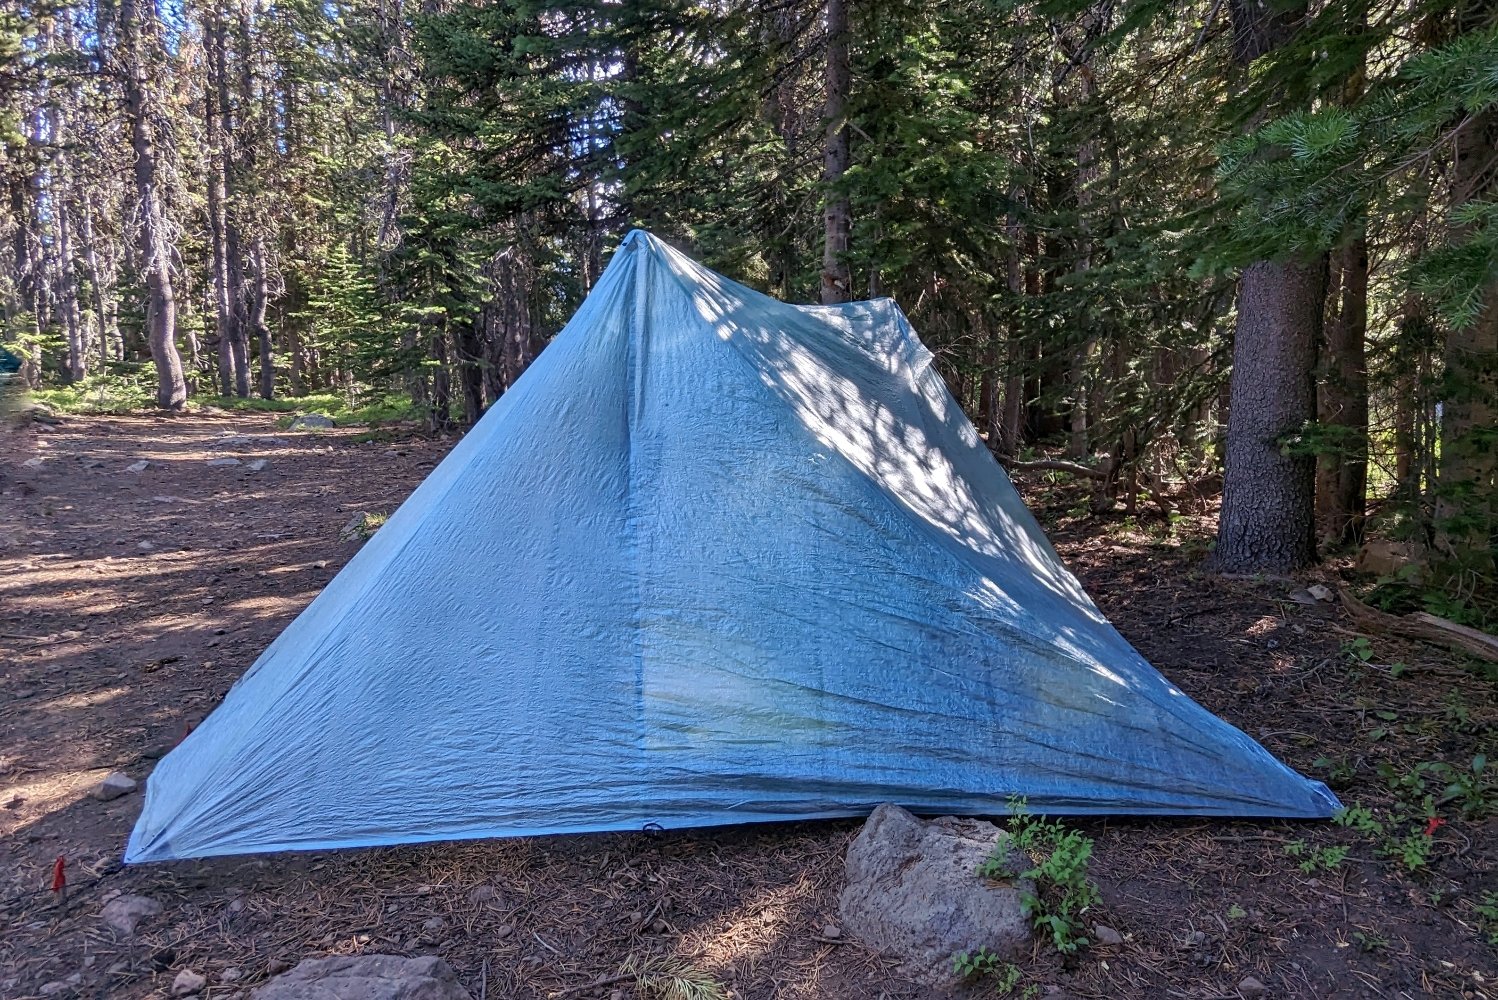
column 130, row 601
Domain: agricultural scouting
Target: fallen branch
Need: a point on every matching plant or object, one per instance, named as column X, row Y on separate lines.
column 1425, row 627
column 585, row 987
column 1060, row 466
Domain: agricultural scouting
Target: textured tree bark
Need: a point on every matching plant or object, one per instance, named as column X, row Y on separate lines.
column 1342, row 475
column 215, row 112
column 64, row 198
column 103, row 306
column 1465, row 511
column 1268, row 518
column 837, row 279
column 1011, row 427
column 1414, row 332
column 259, row 303
column 1268, row 502
column 504, row 322
column 171, row 388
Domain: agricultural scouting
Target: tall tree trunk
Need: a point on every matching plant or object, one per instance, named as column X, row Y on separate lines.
column 1342, row 474
column 171, row 389
column 504, row 322
column 1410, row 346
column 215, row 99
column 103, row 304
column 1268, row 521
column 62, row 198
column 259, row 303
column 837, row 278
column 1011, row 428
column 1268, row 502
column 1342, row 409
column 1465, row 512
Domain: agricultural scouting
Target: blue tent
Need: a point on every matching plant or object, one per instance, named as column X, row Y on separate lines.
column 714, row 559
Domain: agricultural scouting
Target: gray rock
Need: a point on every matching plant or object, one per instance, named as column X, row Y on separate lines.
column 311, row 420
column 1103, row 934
column 113, row 786
column 1250, row 987
column 223, row 461
column 257, row 465
column 123, row 913
column 484, row 895
column 187, row 983
column 140, row 466
column 230, row 975
column 434, row 925
column 34, row 463
column 1382, row 557
column 1321, row 592
column 368, row 977
column 53, row 988
column 914, row 891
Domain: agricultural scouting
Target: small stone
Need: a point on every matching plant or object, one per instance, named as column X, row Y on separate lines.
column 34, row 463
column 25, row 693
column 276, row 966
column 434, row 925
column 52, row 989
column 1321, row 593
column 113, row 786
column 1302, row 597
column 74, row 979
column 483, row 895
column 89, row 960
column 187, row 983
column 1106, row 935
column 230, row 975
column 832, row 932
column 658, row 926
column 144, row 546
column 222, row 461
column 140, row 466
column 257, row 465
column 1249, row 987
column 123, row 913
column 503, row 931
column 323, row 564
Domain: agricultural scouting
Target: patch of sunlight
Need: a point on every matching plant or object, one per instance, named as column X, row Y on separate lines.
column 87, row 699
column 44, row 795
column 746, row 934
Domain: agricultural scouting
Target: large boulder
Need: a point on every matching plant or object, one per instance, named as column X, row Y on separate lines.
column 366, row 977
column 1384, row 557
column 311, row 421
column 914, row 892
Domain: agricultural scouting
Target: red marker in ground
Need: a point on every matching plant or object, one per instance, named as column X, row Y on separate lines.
column 59, row 876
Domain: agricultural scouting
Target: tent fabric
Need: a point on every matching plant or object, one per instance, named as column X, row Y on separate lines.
column 713, row 559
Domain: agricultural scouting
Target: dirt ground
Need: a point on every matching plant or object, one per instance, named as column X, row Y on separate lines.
column 130, row 601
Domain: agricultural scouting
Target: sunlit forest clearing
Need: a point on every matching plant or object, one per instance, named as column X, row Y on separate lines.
column 1215, row 285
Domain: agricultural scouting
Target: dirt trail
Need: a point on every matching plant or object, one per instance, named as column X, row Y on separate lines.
column 131, row 600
